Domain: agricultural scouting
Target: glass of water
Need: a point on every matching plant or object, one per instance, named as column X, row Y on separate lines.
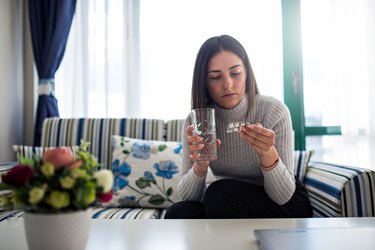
column 203, row 121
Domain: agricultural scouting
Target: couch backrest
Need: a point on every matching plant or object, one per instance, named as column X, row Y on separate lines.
column 98, row 132
column 174, row 129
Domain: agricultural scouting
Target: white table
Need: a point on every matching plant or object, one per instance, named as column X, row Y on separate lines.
column 178, row 234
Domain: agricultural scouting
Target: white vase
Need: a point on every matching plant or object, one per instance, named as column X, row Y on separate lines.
column 65, row 231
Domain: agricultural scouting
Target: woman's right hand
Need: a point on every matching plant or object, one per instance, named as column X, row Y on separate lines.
column 195, row 144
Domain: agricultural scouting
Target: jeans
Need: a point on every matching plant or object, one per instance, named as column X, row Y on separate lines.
column 228, row 198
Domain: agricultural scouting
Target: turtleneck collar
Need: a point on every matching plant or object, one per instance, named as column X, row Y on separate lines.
column 238, row 113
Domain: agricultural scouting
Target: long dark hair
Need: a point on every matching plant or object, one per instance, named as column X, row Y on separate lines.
column 200, row 98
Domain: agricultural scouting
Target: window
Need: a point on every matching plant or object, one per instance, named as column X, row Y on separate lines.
column 130, row 58
column 171, row 37
column 338, row 51
column 136, row 58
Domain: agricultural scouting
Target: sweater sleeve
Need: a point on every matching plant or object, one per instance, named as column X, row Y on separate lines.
column 279, row 182
column 190, row 186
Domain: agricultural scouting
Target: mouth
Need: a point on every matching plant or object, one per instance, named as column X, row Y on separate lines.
column 228, row 95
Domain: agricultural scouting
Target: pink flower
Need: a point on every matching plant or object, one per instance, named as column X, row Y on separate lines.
column 105, row 197
column 59, row 157
column 76, row 164
column 18, row 176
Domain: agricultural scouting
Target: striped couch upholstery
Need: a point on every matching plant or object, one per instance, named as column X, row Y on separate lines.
column 340, row 191
column 98, row 132
column 333, row 190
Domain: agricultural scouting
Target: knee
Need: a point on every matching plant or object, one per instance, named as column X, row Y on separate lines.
column 185, row 210
column 216, row 189
column 173, row 211
column 216, row 193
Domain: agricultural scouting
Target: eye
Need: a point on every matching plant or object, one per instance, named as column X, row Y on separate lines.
column 235, row 73
column 215, row 76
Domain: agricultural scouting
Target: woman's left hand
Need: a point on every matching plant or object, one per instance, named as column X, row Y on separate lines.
column 262, row 140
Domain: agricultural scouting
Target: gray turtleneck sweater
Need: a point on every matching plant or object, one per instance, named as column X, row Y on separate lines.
column 237, row 160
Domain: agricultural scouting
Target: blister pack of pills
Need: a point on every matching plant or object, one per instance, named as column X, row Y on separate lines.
column 235, row 126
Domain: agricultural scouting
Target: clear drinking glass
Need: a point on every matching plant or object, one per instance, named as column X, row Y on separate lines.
column 203, row 121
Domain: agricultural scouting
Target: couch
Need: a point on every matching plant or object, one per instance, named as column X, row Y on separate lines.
column 334, row 190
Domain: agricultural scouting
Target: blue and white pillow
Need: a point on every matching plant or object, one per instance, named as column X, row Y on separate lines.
column 145, row 172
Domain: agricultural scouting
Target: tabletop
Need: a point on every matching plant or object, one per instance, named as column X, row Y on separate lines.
column 178, row 234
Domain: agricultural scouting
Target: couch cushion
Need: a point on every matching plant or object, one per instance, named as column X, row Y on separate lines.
column 146, row 172
column 125, row 213
column 337, row 190
column 100, row 213
column 301, row 160
column 4, row 214
column 98, row 132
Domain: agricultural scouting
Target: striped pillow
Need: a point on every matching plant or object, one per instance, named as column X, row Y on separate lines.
column 174, row 130
column 29, row 151
column 301, row 161
column 98, row 132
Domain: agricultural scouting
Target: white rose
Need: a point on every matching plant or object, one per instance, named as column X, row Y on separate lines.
column 104, row 178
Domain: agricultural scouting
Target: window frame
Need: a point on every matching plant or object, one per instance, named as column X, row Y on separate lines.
column 293, row 76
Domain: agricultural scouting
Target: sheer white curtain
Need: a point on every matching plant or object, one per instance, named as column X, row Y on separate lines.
column 135, row 58
column 338, row 40
column 101, row 59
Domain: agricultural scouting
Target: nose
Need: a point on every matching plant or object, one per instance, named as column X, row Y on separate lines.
column 228, row 82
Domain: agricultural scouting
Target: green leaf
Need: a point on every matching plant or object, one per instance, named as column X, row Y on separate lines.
column 4, row 186
column 125, row 151
column 142, row 183
column 169, row 191
column 162, row 147
column 26, row 161
column 156, row 199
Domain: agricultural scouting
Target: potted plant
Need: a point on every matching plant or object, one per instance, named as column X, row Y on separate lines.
column 56, row 191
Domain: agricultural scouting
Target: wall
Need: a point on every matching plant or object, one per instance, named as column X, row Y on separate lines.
column 14, row 122
column 30, row 77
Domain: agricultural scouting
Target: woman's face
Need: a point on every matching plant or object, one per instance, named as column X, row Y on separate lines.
column 226, row 79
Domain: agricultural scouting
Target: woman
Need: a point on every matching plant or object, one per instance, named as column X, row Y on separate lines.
column 254, row 166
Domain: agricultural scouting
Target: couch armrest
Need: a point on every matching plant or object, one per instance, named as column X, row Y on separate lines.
column 6, row 166
column 340, row 191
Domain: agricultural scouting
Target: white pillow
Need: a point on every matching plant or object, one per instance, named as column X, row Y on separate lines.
column 145, row 172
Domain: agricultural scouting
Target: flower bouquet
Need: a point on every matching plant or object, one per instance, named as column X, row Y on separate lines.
column 57, row 181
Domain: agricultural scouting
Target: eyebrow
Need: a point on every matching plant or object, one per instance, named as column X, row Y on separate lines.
column 237, row 65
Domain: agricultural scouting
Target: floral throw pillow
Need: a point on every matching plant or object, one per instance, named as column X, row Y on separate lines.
column 145, row 172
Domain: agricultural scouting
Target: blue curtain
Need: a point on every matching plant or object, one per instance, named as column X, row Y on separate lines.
column 50, row 23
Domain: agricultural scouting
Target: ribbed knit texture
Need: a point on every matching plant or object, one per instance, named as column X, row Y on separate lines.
column 237, row 160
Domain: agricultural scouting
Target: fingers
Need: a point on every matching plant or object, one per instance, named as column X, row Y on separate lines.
column 194, row 156
column 262, row 139
column 193, row 142
column 193, row 139
column 189, row 130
